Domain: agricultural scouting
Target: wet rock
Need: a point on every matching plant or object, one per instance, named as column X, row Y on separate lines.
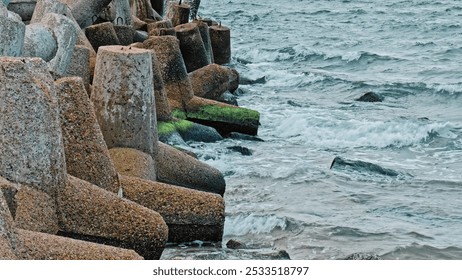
column 293, row 103
column 240, row 136
column 242, row 150
column 228, row 98
column 362, row 166
column 370, row 97
column 362, row 256
column 234, row 244
column 247, row 81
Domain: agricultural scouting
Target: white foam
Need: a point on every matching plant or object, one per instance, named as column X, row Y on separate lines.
column 243, row 224
column 327, row 132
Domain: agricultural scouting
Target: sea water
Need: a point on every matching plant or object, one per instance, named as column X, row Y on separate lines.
column 317, row 58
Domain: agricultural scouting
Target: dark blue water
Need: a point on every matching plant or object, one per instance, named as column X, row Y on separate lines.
column 317, row 57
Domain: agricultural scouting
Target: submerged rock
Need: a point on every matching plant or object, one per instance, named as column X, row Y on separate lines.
column 243, row 150
column 234, row 244
column 358, row 165
column 362, row 257
column 370, row 97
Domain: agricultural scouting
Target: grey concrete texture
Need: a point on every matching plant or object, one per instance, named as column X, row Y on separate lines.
column 8, row 239
column 84, row 10
column 205, row 34
column 12, row 32
column 35, row 211
column 39, row 42
column 192, row 46
column 87, row 155
column 177, row 168
column 44, row 7
column 131, row 162
column 42, row 246
column 24, row 8
column 31, row 147
column 66, row 34
column 81, row 66
column 89, row 212
column 123, row 96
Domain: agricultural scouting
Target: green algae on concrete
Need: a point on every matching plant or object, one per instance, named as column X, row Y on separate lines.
column 227, row 119
column 167, row 128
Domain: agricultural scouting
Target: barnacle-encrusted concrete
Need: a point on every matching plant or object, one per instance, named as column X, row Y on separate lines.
column 90, row 213
column 86, row 152
column 135, row 163
column 190, row 214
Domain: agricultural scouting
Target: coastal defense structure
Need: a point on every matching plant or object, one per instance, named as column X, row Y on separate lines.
column 92, row 95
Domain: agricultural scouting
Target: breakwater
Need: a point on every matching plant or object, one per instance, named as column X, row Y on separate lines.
column 87, row 89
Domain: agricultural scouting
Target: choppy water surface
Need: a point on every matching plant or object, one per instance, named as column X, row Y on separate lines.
column 317, row 58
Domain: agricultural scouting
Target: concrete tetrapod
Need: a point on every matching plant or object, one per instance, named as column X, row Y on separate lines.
column 223, row 117
column 220, row 37
column 31, row 150
column 90, row 213
column 8, row 239
column 213, row 80
column 177, row 168
column 169, row 128
column 178, row 13
column 192, row 46
column 86, row 152
column 131, row 162
column 205, row 34
column 12, row 32
column 123, row 99
column 190, row 215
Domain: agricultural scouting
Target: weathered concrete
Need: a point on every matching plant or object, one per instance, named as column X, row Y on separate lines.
column 190, row 214
column 84, row 10
column 220, row 37
column 162, row 107
column 8, row 239
column 87, row 156
column 35, row 210
column 205, row 34
column 80, row 65
column 44, row 7
column 131, row 162
column 143, row 10
column 39, row 42
column 123, row 99
column 24, row 8
column 12, row 33
column 66, row 34
column 172, row 68
column 191, row 46
column 212, row 81
column 31, row 149
column 122, row 12
column 178, row 13
column 177, row 168
column 90, row 213
column 41, row 246
column 162, row 32
column 102, row 34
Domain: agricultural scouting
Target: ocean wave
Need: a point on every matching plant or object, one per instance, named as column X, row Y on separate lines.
column 424, row 252
column 347, row 133
column 243, row 224
column 352, row 232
